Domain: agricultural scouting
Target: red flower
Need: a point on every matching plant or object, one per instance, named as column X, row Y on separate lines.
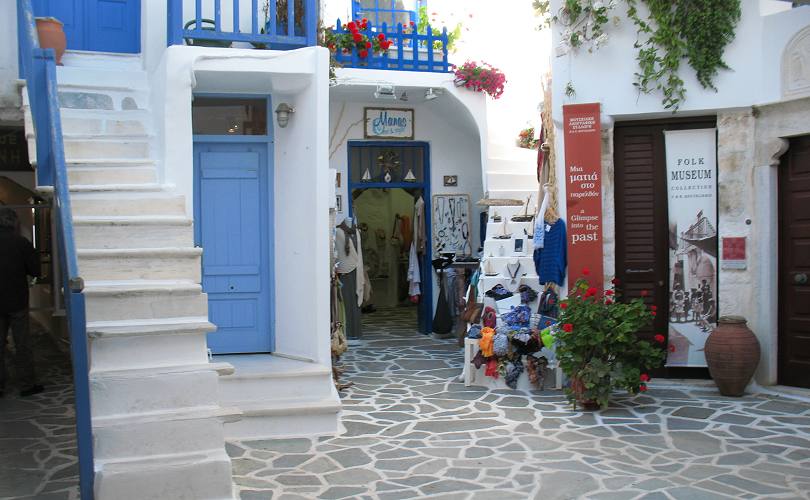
column 387, row 44
column 413, row 23
column 659, row 338
column 381, row 36
column 364, row 21
column 352, row 26
column 653, row 308
column 363, row 53
column 671, row 347
column 615, row 281
column 590, row 292
column 368, row 45
column 564, row 305
column 586, row 271
column 644, row 377
column 357, row 37
column 642, row 388
column 332, row 47
column 608, row 292
column 548, row 323
column 653, row 314
column 644, row 293
column 608, row 302
column 568, row 327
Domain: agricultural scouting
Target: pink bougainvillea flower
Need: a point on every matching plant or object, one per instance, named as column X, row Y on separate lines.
column 659, row 338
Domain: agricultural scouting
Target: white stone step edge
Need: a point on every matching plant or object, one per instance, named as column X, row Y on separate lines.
column 149, row 327
column 100, row 287
column 103, row 253
column 137, row 373
column 226, row 414
column 315, row 370
column 132, row 220
column 101, row 137
column 100, row 188
column 287, row 407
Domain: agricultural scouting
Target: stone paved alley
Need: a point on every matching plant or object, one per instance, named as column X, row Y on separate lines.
column 413, row 432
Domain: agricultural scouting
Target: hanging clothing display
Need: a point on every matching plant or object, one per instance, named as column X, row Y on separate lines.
column 414, row 275
column 419, row 235
column 351, row 273
column 350, row 256
column 552, row 260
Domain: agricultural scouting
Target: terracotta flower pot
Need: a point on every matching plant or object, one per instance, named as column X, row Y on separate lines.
column 579, row 389
column 52, row 36
column 732, row 353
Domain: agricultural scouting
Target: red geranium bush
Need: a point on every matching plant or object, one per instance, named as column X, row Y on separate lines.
column 357, row 38
column 598, row 346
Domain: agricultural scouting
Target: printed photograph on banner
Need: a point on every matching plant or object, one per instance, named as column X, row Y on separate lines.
column 692, row 202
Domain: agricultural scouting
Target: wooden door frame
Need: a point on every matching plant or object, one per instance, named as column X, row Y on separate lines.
column 781, row 190
column 268, row 236
column 661, row 213
column 425, row 326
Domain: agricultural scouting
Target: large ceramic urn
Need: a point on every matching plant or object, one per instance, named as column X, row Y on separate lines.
column 732, row 353
column 52, row 36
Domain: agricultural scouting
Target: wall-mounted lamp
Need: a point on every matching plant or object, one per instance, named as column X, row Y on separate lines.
column 283, row 112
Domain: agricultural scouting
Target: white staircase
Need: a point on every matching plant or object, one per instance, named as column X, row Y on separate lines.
column 511, row 172
column 279, row 397
column 157, row 418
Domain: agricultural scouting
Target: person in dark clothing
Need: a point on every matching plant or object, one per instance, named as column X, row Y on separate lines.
column 18, row 260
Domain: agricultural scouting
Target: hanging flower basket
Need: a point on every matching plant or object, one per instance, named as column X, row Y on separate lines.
column 480, row 78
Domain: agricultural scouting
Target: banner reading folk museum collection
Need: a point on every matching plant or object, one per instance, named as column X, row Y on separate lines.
column 692, row 191
column 583, row 182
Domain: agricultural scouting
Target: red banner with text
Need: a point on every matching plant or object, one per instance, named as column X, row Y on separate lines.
column 583, row 183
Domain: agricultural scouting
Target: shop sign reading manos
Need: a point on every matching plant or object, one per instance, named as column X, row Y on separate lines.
column 583, row 182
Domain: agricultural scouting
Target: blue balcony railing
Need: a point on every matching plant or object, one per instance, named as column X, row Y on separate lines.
column 274, row 24
column 409, row 51
column 38, row 67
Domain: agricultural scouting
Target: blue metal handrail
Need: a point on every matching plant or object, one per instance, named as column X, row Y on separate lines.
column 38, row 67
column 422, row 57
column 268, row 34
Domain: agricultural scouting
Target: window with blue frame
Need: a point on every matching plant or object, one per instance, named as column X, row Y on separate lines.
column 391, row 12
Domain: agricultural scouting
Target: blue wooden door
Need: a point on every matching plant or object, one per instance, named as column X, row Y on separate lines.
column 232, row 220
column 97, row 25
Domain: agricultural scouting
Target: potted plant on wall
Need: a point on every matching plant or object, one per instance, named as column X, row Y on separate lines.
column 598, row 346
column 51, row 35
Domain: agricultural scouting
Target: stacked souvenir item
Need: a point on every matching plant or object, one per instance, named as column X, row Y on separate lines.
column 513, row 343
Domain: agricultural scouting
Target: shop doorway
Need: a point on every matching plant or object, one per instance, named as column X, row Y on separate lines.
column 642, row 220
column 386, row 180
column 794, row 264
column 233, row 172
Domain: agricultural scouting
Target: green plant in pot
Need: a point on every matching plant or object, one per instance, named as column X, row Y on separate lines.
column 598, row 346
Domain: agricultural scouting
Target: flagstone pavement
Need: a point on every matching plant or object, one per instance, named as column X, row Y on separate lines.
column 412, row 431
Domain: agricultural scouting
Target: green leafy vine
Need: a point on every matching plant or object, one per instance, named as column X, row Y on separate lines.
column 695, row 30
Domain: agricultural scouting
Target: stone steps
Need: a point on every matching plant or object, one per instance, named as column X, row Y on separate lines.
column 111, row 175
column 193, row 475
column 128, row 203
column 108, row 232
column 152, row 389
column 172, row 263
column 286, row 418
column 140, row 299
column 137, row 344
column 278, row 396
column 157, row 419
